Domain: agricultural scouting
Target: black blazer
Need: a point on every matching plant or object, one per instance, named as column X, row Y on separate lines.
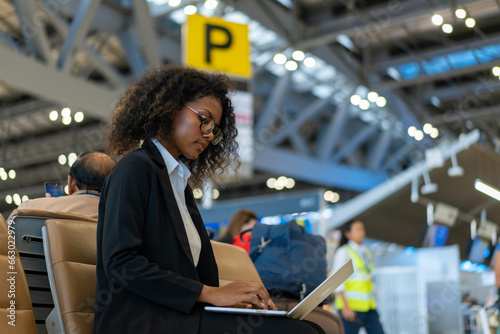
column 146, row 278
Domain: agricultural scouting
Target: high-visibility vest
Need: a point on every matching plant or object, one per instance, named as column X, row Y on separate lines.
column 358, row 289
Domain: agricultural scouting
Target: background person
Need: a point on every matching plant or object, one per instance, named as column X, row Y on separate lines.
column 354, row 298
column 243, row 220
column 85, row 180
column 155, row 265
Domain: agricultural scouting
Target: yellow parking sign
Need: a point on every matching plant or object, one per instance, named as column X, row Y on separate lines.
column 215, row 44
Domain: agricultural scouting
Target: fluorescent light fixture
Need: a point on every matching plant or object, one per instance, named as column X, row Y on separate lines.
column 430, row 214
column 428, row 187
column 455, row 170
column 487, row 189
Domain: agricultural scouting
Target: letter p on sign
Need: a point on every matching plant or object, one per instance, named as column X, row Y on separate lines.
column 215, row 44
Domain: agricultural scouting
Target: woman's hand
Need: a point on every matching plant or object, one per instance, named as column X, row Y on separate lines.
column 348, row 313
column 239, row 292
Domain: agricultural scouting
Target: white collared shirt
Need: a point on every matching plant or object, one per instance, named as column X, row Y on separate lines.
column 341, row 257
column 179, row 175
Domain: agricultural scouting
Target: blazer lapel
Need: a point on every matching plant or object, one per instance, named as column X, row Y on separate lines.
column 162, row 172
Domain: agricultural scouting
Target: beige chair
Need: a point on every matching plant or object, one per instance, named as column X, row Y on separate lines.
column 28, row 224
column 71, row 255
column 235, row 264
column 21, row 312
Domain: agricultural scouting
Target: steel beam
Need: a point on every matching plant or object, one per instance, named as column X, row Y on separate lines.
column 274, row 101
column 356, row 141
column 379, row 151
column 391, row 13
column 134, row 56
column 304, row 168
column 271, row 15
column 357, row 205
column 331, row 133
column 290, row 128
column 145, row 25
column 30, row 76
column 32, row 20
column 458, row 116
column 398, row 156
column 80, row 25
column 385, row 85
column 299, row 143
column 441, row 51
column 480, row 89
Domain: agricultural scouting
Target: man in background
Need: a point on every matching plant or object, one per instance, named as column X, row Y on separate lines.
column 85, row 180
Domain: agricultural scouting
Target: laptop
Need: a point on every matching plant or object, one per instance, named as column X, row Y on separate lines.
column 303, row 308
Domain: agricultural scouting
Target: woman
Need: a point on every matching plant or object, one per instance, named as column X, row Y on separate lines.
column 243, row 220
column 355, row 298
column 155, row 265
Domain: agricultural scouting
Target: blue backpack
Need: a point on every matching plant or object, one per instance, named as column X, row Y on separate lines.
column 287, row 258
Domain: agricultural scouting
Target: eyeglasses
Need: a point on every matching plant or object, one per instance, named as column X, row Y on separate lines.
column 208, row 125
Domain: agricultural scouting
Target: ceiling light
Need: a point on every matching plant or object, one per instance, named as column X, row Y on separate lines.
column 372, row 96
column 174, row 3
column 279, row 59
column 411, row 131
column 364, row 104
column 298, row 55
column 310, row 62
column 290, row 183
column 328, row 195
column 487, row 189
column 53, row 115
column 447, row 28
column 66, row 112
column 66, row 120
column 291, row 65
column 470, row 22
column 280, row 182
column 79, row 117
column 4, row 176
column 427, row 128
column 460, row 13
column 215, row 193
column 434, row 133
column 419, row 135
column 190, row 10
column 66, row 189
column 72, row 158
column 12, row 174
column 271, row 182
column 496, row 71
column 62, row 159
column 437, row 19
column 197, row 193
column 210, row 4
column 355, row 99
column 17, row 199
column 8, row 199
column 381, row 101
column 25, row 198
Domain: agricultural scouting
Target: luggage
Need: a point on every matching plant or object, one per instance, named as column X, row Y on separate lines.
column 289, row 260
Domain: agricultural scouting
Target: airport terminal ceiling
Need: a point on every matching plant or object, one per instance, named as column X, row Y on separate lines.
column 345, row 114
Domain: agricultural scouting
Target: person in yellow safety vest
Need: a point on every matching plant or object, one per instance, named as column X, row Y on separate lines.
column 354, row 298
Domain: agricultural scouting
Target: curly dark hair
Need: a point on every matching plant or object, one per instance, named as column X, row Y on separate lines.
column 148, row 107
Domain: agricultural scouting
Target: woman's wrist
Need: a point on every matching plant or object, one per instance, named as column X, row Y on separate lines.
column 205, row 294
